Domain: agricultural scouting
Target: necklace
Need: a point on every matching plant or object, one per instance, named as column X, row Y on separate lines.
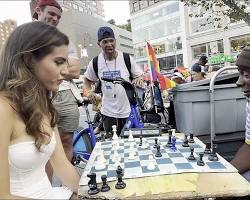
column 112, row 76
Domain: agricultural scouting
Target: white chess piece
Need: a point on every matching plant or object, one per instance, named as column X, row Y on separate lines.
column 115, row 137
column 131, row 155
column 151, row 163
column 144, row 144
column 98, row 148
column 116, row 157
column 132, row 148
column 130, row 137
column 101, row 161
column 173, row 132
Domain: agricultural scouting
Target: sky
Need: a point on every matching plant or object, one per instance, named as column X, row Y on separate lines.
column 19, row 11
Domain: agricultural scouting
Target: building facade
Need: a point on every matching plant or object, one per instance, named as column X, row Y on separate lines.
column 94, row 8
column 6, row 27
column 179, row 39
column 157, row 22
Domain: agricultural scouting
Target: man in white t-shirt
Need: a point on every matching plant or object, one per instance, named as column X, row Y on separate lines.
column 115, row 104
column 65, row 101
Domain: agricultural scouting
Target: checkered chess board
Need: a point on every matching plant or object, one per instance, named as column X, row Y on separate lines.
column 171, row 162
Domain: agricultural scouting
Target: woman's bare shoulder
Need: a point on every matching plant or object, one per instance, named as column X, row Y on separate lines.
column 7, row 107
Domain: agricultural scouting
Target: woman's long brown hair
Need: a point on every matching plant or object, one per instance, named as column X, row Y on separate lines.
column 29, row 42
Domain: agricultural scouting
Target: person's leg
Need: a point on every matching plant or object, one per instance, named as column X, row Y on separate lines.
column 108, row 122
column 120, row 125
column 66, row 139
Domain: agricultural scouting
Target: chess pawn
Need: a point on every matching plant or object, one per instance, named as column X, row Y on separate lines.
column 151, row 164
column 200, row 162
column 132, row 149
column 130, row 137
column 116, row 157
column 131, row 155
column 213, row 156
column 105, row 187
column 115, row 137
column 191, row 157
column 173, row 132
column 144, row 144
column 191, row 138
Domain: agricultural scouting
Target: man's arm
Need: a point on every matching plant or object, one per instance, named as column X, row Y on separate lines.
column 241, row 161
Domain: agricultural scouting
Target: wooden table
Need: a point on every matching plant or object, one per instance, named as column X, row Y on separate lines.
column 176, row 186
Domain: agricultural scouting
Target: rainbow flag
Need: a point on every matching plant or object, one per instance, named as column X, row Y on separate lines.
column 153, row 62
column 165, row 83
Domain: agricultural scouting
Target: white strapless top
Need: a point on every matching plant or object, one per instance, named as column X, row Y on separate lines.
column 27, row 171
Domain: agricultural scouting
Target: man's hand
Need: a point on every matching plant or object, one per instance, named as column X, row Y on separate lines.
column 138, row 82
column 93, row 97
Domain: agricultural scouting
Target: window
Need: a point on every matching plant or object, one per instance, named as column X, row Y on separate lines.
column 199, row 50
column 237, row 43
column 159, row 48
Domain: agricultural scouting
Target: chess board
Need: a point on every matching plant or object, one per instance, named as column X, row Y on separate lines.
column 171, row 162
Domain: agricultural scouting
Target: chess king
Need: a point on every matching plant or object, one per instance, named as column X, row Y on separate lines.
column 242, row 158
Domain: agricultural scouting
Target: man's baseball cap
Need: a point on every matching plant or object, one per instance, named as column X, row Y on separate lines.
column 243, row 58
column 47, row 3
column 105, row 32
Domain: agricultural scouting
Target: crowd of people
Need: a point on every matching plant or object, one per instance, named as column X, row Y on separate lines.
column 39, row 103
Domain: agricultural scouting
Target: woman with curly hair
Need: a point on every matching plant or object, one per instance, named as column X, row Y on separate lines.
column 32, row 65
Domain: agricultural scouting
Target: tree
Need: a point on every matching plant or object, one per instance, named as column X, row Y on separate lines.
column 126, row 26
column 218, row 11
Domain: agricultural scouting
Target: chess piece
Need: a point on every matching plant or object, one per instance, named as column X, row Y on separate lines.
column 191, row 138
column 158, row 152
column 101, row 161
column 169, row 139
column 144, row 144
column 93, row 189
column 140, row 140
column 102, row 137
column 120, row 184
column 185, row 142
column 173, row 132
column 130, row 137
column 151, row 163
column 213, row 156
column 131, row 155
column 200, row 162
column 156, row 143
column 115, row 137
column 116, row 157
column 173, row 147
column 105, row 187
column 191, row 157
column 208, row 148
column 131, row 148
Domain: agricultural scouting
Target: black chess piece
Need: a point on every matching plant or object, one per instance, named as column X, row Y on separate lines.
column 169, row 144
column 158, row 152
column 140, row 144
column 200, row 162
column 120, row 184
column 105, row 186
column 93, row 189
column 191, row 138
column 213, row 156
column 191, row 157
column 185, row 142
column 102, row 137
column 156, row 143
column 208, row 148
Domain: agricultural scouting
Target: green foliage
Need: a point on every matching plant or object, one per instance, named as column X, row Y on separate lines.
column 219, row 10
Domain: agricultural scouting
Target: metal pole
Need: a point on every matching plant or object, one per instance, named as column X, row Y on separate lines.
column 211, row 94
